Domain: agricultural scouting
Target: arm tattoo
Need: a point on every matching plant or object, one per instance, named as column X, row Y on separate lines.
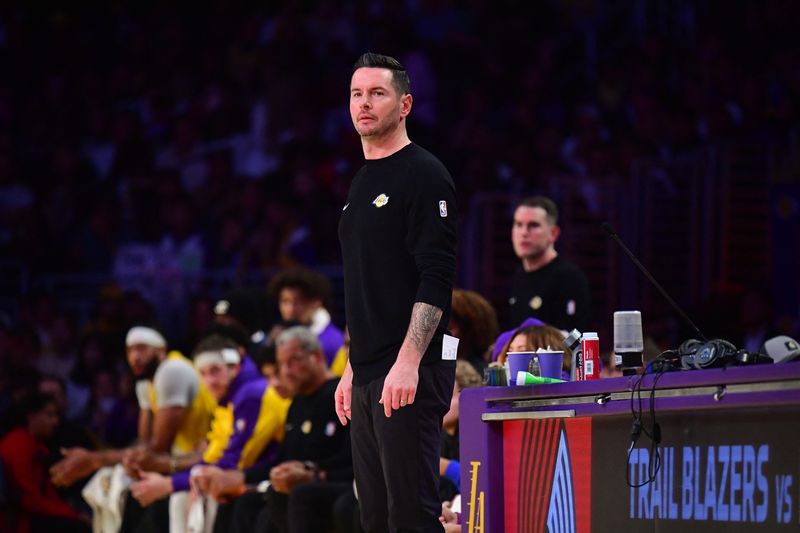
column 424, row 320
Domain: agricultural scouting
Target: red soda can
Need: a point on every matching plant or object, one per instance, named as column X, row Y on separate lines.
column 590, row 347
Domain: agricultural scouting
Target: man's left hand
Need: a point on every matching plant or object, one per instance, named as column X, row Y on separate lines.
column 151, row 487
column 400, row 386
column 138, row 460
column 77, row 463
column 448, row 516
column 222, row 485
column 287, row 475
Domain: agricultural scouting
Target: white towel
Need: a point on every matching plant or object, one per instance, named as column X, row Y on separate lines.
column 105, row 494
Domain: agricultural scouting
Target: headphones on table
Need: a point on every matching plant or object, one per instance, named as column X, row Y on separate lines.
column 695, row 354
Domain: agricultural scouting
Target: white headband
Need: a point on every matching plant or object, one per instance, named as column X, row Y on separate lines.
column 227, row 356
column 143, row 335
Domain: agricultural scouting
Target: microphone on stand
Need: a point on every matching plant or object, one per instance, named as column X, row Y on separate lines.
column 628, row 342
column 611, row 233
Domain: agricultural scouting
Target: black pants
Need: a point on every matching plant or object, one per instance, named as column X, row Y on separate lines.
column 48, row 524
column 396, row 459
column 260, row 513
column 250, row 514
column 151, row 519
column 311, row 506
column 223, row 523
column 346, row 515
column 132, row 515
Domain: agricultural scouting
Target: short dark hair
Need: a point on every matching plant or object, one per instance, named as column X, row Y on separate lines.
column 311, row 283
column 264, row 355
column 215, row 343
column 399, row 74
column 545, row 203
column 31, row 402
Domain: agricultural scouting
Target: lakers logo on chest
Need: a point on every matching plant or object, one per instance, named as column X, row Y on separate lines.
column 380, row 200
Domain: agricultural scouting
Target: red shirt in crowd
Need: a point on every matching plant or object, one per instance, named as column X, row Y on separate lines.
column 27, row 470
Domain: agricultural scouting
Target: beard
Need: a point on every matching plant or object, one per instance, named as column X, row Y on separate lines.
column 530, row 252
column 380, row 128
column 149, row 370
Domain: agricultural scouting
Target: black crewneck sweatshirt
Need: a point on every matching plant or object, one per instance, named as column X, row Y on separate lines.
column 313, row 433
column 557, row 294
column 398, row 237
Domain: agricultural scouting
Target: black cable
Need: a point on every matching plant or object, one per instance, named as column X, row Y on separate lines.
column 636, row 430
column 655, row 465
column 638, row 426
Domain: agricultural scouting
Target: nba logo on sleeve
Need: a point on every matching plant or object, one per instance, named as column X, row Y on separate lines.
column 442, row 208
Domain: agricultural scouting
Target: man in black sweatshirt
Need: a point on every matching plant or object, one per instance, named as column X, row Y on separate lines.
column 398, row 237
column 546, row 286
column 314, row 465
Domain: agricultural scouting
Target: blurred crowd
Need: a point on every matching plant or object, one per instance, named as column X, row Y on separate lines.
column 220, row 135
column 177, row 142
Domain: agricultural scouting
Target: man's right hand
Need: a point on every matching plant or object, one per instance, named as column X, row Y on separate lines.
column 222, row 485
column 77, row 464
column 344, row 395
column 138, row 460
